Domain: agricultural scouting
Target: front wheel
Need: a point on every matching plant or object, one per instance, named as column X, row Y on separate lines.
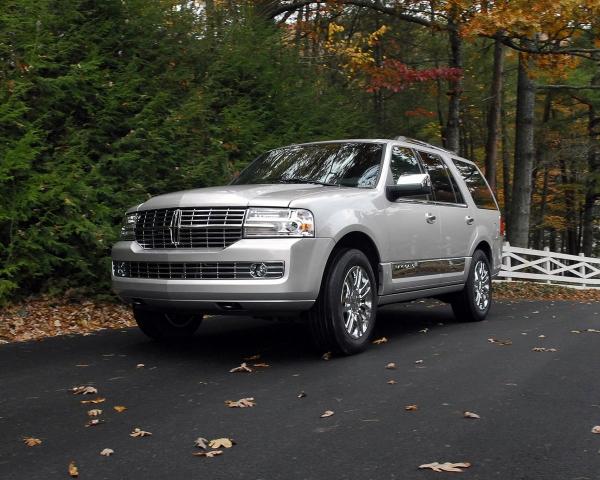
column 474, row 302
column 343, row 317
column 167, row 325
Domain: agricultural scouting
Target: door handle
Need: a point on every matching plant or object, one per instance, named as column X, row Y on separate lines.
column 430, row 217
column 469, row 220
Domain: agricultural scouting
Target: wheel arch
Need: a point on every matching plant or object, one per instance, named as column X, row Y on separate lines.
column 486, row 248
column 360, row 241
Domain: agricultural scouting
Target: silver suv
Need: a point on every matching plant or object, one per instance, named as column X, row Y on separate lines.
column 326, row 231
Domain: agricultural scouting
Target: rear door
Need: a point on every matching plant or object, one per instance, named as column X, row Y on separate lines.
column 413, row 229
column 456, row 223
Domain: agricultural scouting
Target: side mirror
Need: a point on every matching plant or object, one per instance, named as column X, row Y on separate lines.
column 408, row 186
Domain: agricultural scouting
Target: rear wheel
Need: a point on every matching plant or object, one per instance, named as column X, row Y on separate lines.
column 473, row 303
column 167, row 325
column 343, row 316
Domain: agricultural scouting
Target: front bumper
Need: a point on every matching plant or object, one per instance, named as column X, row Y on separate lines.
column 297, row 290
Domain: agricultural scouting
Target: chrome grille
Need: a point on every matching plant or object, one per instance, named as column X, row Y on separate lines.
column 189, row 227
column 195, row 271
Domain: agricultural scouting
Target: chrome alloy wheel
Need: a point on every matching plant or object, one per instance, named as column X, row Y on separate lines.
column 481, row 285
column 357, row 301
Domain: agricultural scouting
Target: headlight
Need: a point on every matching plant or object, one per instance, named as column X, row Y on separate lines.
column 128, row 226
column 279, row 222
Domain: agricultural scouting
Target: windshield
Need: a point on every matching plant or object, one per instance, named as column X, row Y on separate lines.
column 347, row 164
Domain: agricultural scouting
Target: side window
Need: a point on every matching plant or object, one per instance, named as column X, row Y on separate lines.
column 459, row 196
column 404, row 162
column 481, row 193
column 440, row 179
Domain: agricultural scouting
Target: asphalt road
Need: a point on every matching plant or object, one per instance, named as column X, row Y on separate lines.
column 537, row 408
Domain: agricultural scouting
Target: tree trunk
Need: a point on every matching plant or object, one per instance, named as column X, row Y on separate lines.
column 592, row 187
column 452, row 138
column 506, row 179
column 524, row 156
column 493, row 120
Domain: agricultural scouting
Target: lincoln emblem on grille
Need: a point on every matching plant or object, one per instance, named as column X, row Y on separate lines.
column 175, row 227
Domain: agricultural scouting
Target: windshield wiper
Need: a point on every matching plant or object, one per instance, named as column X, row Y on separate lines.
column 306, row 180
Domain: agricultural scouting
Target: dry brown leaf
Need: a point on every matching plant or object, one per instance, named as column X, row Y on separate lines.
column 31, row 441
column 140, row 365
column 327, row 413
column 107, row 452
column 379, row 341
column 241, row 403
column 411, row 408
column 390, row 366
column 73, row 471
column 94, row 412
column 94, row 422
column 500, row 342
column 418, row 361
column 221, row 443
column 392, row 382
column 261, row 365
column 446, row 466
column 95, row 400
column 210, row 454
column 596, row 429
column 201, row 443
column 326, row 356
column 252, row 358
column 543, row 349
column 119, row 408
column 301, row 395
column 138, row 432
column 470, row 415
column 242, row 368
column 84, row 390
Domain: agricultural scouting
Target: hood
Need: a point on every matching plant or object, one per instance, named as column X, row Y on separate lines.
column 277, row 195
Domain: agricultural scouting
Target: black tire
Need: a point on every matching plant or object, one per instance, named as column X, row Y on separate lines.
column 467, row 305
column 167, row 326
column 328, row 318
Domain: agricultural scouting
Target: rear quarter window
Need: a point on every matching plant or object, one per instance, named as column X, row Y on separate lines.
column 476, row 184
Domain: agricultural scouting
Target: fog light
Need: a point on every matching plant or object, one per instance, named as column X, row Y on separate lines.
column 258, row 270
column 119, row 269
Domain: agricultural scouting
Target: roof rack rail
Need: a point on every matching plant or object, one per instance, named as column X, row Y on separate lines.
column 402, row 138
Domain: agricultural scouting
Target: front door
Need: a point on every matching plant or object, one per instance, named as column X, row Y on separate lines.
column 413, row 231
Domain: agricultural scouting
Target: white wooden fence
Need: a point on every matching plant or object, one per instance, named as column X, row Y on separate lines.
column 550, row 267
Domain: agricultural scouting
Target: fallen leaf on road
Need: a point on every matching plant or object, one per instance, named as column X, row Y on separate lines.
column 140, row 365
column 425, row 330
column 541, row 336
column 411, row 408
column 500, row 342
column 107, row 452
column 392, row 382
column 390, row 366
column 201, row 443
column 211, row 454
column 94, row 412
column 418, row 361
column 446, row 467
column 301, row 395
column 252, row 358
column 242, row 368
column 241, row 403
column 73, row 471
column 95, row 400
column 119, row 408
column 326, row 356
column 575, row 331
column 138, row 432
column 84, row 390
column 470, row 415
column 327, row 413
column 261, row 365
column 94, row 422
column 543, row 349
column 32, row 442
column 592, row 330
column 596, row 429
column 379, row 341
column 221, row 443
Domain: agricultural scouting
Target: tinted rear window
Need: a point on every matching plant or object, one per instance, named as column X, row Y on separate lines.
column 481, row 193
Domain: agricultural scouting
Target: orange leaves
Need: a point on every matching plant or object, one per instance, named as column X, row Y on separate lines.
column 241, row 403
column 31, row 441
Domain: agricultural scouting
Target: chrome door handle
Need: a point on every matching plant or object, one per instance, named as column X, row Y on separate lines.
column 430, row 217
column 469, row 220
